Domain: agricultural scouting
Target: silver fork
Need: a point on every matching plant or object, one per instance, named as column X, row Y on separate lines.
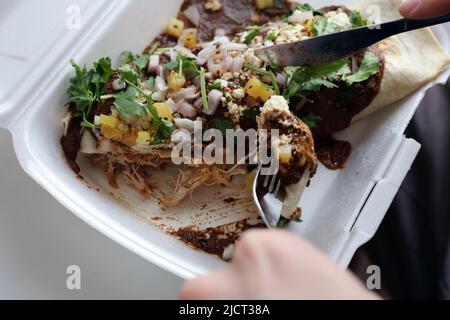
column 266, row 194
column 269, row 195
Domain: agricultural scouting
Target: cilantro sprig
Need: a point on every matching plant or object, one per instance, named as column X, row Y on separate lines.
column 87, row 86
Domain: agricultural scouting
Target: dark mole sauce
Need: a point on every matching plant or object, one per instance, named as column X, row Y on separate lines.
column 213, row 240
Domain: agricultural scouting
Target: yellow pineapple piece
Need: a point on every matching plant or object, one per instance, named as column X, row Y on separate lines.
column 175, row 27
column 256, row 89
column 164, row 111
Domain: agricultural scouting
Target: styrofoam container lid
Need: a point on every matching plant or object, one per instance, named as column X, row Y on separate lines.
column 342, row 209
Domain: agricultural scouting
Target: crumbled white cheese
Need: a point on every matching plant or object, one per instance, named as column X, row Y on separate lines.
column 275, row 103
column 252, row 59
column 290, row 34
column 235, row 111
column 238, row 93
column 299, row 16
column 227, row 76
column 341, row 19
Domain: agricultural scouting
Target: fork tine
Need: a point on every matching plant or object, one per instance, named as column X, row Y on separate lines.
column 273, row 183
column 266, row 181
column 277, row 189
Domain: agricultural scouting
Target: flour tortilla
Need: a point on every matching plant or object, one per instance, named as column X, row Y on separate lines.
column 412, row 59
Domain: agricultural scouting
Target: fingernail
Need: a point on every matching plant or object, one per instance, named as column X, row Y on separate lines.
column 409, row 6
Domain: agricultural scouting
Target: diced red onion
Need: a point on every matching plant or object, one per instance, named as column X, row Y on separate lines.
column 214, row 99
column 198, row 103
column 215, row 67
column 160, row 84
column 188, row 93
column 204, row 55
column 272, row 27
column 219, row 32
column 186, row 124
column 185, row 108
column 300, row 16
column 234, row 46
column 173, row 55
column 227, row 63
column 188, row 53
column 281, row 79
column 153, row 66
column 237, row 65
column 118, row 84
column 193, row 15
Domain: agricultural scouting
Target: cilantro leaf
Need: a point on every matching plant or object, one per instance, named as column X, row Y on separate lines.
column 305, row 7
column 222, row 125
column 311, row 120
column 306, row 80
column 370, row 65
column 251, row 113
column 283, row 223
column 87, row 86
column 251, row 36
column 357, row 20
column 322, row 26
column 140, row 61
column 127, row 73
column 187, row 66
column 215, row 85
column 126, row 105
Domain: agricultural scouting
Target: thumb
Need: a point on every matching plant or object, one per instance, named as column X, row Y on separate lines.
column 422, row 9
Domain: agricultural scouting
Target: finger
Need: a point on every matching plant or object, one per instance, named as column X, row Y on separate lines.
column 422, row 9
column 220, row 285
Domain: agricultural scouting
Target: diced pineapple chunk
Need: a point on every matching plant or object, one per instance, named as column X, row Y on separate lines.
column 110, row 132
column 176, row 81
column 164, row 111
column 109, row 121
column 175, row 27
column 256, row 89
column 129, row 138
column 263, row 4
column 189, row 38
column 285, row 154
column 143, row 137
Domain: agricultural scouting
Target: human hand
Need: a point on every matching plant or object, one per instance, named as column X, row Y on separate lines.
column 276, row 265
column 422, row 9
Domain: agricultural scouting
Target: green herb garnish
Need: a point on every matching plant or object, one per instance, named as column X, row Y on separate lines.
column 251, row 113
column 306, row 80
column 222, row 125
column 184, row 65
column 370, row 65
column 87, row 86
column 203, row 88
column 126, row 105
column 215, row 86
column 321, row 26
column 311, row 120
column 252, row 35
column 357, row 20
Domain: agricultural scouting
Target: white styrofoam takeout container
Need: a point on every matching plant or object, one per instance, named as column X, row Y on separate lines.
column 342, row 209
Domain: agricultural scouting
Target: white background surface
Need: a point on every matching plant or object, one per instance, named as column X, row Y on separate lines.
column 39, row 239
